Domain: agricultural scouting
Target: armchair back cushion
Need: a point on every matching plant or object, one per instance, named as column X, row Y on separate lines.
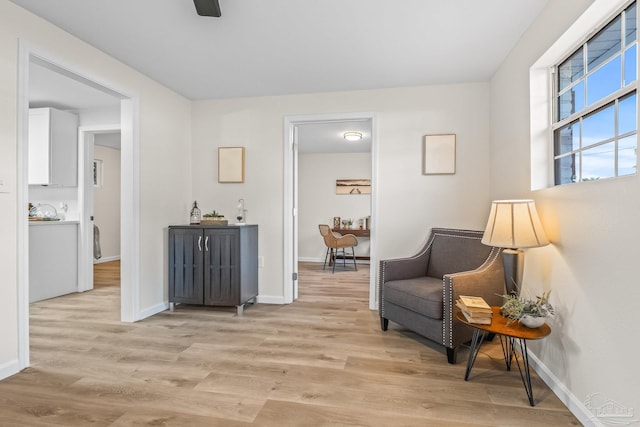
column 455, row 253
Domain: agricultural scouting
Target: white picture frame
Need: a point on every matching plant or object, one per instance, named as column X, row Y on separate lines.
column 439, row 154
column 230, row 164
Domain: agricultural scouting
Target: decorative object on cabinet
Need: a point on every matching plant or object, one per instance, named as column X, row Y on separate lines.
column 230, row 164
column 353, row 186
column 53, row 147
column 194, row 218
column 213, row 266
column 241, row 213
column 214, row 218
column 514, row 224
column 439, row 155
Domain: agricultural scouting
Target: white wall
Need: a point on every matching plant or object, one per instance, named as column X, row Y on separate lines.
column 164, row 135
column 318, row 202
column 591, row 265
column 409, row 202
column 106, row 203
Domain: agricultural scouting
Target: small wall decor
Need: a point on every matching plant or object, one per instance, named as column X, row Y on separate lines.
column 439, row 155
column 97, row 173
column 230, row 164
column 353, row 186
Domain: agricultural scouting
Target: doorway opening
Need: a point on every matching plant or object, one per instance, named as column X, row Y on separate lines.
column 294, row 130
column 31, row 65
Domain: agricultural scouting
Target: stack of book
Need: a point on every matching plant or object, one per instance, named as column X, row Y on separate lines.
column 475, row 309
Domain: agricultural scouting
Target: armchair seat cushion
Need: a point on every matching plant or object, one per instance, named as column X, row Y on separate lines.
column 421, row 294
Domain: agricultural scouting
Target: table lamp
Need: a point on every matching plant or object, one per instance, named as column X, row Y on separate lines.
column 513, row 225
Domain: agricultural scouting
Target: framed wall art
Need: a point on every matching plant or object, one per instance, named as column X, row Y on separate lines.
column 230, row 164
column 439, row 155
column 353, row 186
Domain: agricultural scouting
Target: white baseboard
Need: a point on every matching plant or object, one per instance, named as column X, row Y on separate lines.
column 153, row 310
column 321, row 260
column 308, row 259
column 574, row 404
column 10, row 368
column 270, row 299
column 107, row 259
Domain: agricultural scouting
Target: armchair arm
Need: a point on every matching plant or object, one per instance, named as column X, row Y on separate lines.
column 487, row 281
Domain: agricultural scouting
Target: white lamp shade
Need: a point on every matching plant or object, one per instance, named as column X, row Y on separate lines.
column 514, row 224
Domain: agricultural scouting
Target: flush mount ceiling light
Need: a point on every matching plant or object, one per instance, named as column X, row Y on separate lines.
column 352, row 136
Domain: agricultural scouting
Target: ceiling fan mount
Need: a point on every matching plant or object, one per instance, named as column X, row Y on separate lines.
column 208, row 8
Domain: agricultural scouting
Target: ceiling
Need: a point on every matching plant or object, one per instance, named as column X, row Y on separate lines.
column 282, row 47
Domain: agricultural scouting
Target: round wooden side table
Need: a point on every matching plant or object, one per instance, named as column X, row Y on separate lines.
column 509, row 332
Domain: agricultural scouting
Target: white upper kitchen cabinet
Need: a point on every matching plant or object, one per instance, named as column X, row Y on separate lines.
column 53, row 147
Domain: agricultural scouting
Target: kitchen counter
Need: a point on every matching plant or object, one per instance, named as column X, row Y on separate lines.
column 53, row 222
column 53, row 259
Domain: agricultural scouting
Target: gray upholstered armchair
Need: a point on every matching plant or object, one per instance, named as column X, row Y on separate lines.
column 420, row 292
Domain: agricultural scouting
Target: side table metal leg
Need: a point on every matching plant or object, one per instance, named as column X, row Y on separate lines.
column 507, row 350
column 525, row 373
column 476, row 342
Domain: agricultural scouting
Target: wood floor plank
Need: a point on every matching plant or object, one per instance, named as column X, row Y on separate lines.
column 321, row 361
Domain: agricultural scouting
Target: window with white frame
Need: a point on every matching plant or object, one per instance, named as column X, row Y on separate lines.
column 595, row 105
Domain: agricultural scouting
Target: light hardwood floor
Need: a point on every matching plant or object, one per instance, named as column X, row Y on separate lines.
column 322, row 361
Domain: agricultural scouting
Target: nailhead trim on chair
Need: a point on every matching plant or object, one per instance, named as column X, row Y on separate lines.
column 495, row 252
column 449, row 319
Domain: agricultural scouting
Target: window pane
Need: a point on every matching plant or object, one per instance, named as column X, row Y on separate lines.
column 571, row 70
column 598, row 126
column 627, row 117
column 567, row 138
column 630, row 24
column 605, row 44
column 604, row 82
column 627, row 157
column 567, row 169
column 630, row 68
column 598, row 162
column 571, row 101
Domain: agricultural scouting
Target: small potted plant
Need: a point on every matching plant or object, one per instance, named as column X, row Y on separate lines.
column 531, row 313
column 214, row 218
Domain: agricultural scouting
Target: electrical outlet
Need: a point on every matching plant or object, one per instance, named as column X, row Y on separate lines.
column 260, row 261
column 3, row 186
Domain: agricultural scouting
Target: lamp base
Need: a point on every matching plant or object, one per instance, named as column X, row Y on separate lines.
column 513, row 260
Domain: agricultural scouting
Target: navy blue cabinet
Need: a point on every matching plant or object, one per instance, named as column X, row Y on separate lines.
column 213, row 265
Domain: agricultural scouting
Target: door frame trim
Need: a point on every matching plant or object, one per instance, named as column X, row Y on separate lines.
column 130, row 196
column 289, row 221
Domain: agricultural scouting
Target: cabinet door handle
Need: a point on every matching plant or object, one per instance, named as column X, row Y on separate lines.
column 206, row 243
column 200, row 243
